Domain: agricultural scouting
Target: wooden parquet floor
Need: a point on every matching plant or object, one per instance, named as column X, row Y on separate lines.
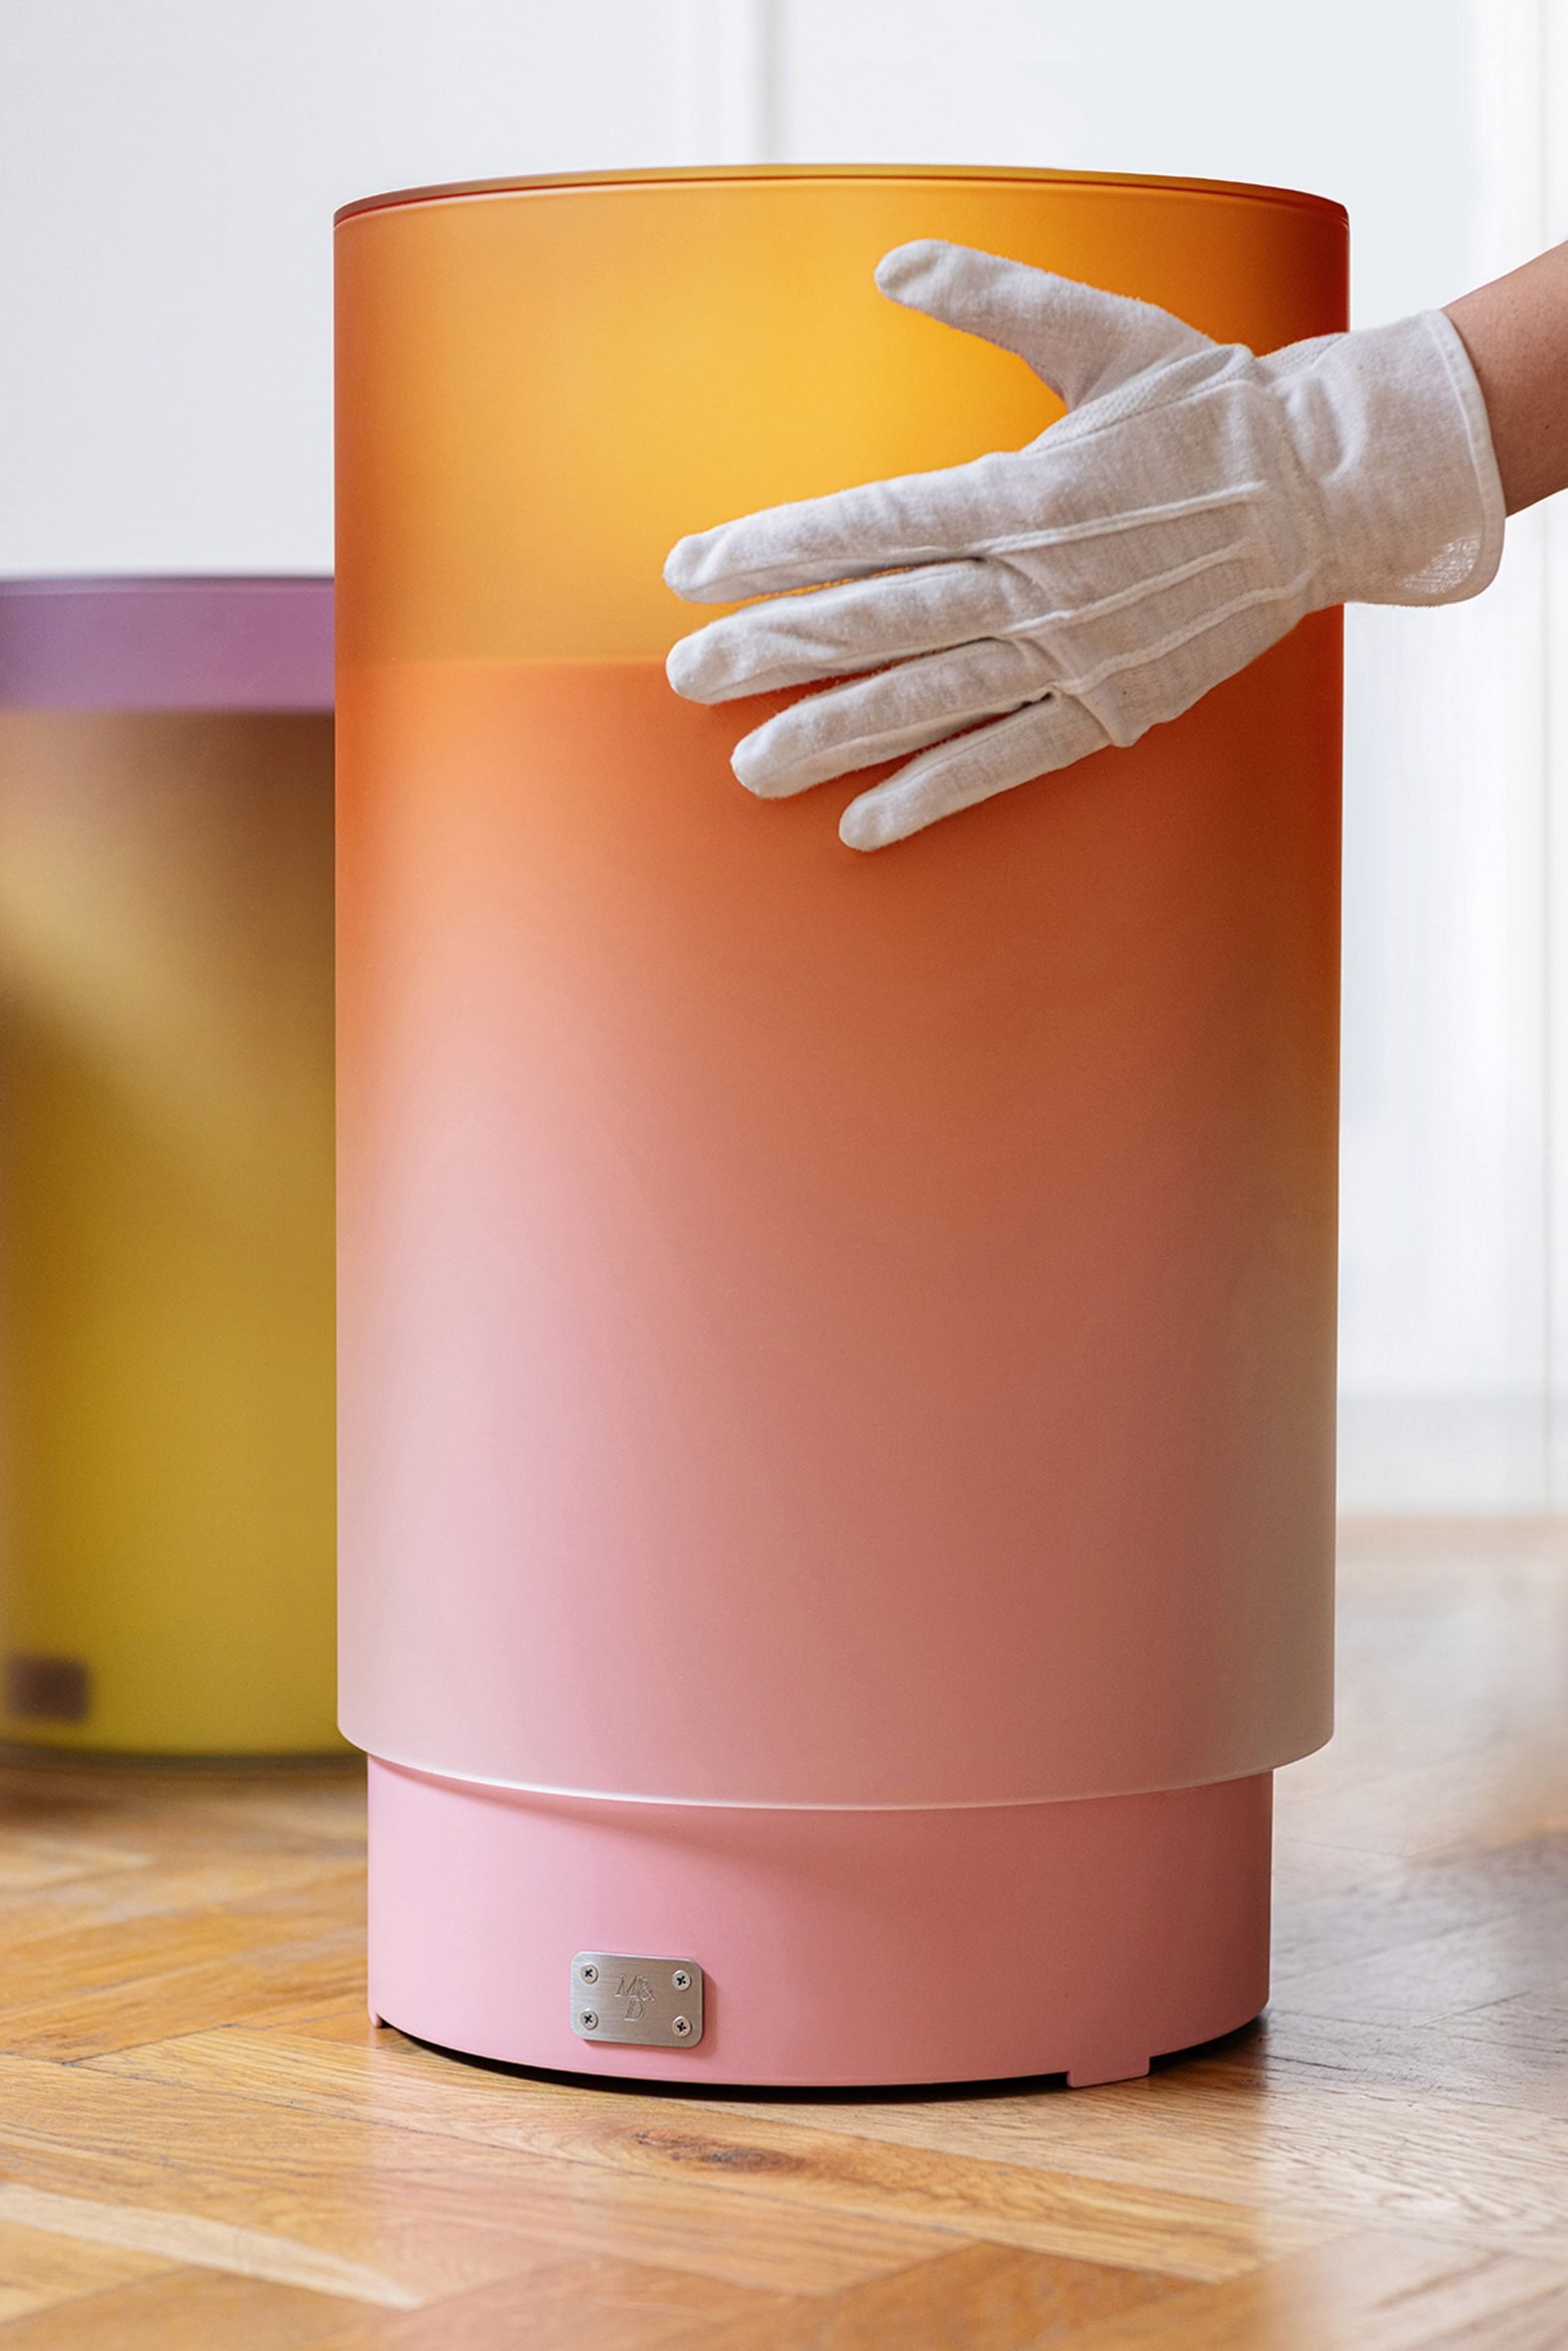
column 204, row 2146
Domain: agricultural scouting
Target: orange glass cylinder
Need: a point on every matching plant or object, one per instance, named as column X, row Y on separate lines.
column 820, row 1332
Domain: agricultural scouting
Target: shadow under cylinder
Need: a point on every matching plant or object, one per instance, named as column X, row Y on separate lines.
column 166, row 1356
column 836, row 1352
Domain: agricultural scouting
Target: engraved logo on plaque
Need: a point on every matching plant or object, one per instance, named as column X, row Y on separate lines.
column 635, row 1995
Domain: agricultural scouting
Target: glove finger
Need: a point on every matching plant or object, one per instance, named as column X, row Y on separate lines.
column 1078, row 339
column 885, row 717
column 877, row 526
column 835, row 631
column 974, row 767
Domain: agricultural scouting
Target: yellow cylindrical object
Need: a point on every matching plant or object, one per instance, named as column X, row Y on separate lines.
column 166, row 1225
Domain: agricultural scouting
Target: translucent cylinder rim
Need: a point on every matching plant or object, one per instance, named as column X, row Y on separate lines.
column 743, row 174
column 171, row 642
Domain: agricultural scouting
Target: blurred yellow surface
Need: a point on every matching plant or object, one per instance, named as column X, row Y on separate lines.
column 166, row 1457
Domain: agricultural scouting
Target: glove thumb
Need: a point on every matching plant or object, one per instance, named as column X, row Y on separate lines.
column 1078, row 339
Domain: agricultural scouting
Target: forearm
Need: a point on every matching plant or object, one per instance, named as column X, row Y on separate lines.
column 1516, row 333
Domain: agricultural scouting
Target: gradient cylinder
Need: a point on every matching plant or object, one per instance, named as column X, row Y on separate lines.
column 166, row 1165
column 836, row 1359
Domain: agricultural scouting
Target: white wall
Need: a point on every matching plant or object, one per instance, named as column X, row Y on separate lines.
column 167, row 173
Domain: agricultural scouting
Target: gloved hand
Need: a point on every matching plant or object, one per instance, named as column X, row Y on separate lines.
column 1029, row 607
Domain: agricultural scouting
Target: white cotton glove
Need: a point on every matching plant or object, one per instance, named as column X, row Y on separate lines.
column 1029, row 607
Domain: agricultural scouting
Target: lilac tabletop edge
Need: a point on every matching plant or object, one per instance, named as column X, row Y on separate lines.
column 166, row 644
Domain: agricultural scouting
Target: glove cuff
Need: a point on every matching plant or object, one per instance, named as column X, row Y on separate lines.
column 1390, row 426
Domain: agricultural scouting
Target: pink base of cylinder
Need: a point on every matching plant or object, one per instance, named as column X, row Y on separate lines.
column 840, row 1949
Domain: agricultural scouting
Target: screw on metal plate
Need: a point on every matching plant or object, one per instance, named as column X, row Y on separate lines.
column 642, row 2002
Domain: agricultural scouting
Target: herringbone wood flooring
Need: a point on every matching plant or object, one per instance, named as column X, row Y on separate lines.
column 204, row 2146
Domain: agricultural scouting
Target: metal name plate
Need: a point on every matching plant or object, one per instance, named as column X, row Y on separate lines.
column 625, row 1996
